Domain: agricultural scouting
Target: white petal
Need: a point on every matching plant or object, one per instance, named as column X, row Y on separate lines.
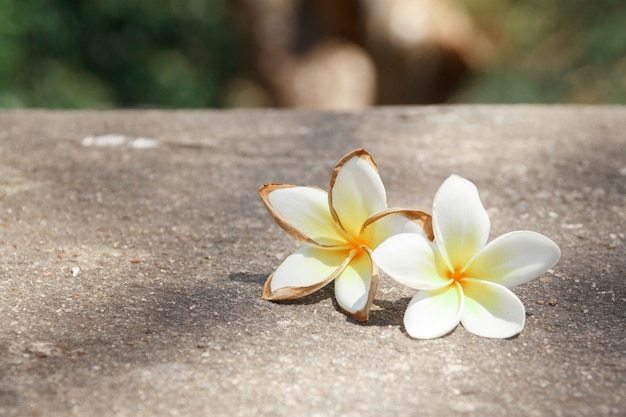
column 514, row 258
column 356, row 191
column 391, row 222
column 304, row 271
column 302, row 212
column 434, row 313
column 460, row 222
column 491, row 310
column 353, row 287
column 412, row 260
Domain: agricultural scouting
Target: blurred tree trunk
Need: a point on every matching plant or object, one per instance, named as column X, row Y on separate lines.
column 356, row 53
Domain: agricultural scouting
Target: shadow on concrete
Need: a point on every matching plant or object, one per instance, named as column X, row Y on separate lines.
column 147, row 322
column 389, row 313
column 384, row 313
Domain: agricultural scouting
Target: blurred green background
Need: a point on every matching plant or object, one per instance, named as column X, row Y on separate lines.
column 123, row 53
column 191, row 53
column 567, row 51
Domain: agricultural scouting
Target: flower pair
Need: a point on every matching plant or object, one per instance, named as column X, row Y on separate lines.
column 349, row 232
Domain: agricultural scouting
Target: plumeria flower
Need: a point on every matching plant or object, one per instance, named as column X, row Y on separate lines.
column 462, row 278
column 338, row 229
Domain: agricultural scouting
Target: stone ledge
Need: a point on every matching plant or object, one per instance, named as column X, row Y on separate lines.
column 134, row 248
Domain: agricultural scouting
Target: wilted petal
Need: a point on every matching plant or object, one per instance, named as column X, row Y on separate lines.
column 412, row 260
column 355, row 287
column 460, row 222
column 356, row 191
column 302, row 212
column 434, row 313
column 303, row 272
column 514, row 258
column 390, row 222
column 491, row 310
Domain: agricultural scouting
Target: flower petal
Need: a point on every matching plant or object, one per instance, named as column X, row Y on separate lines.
column 356, row 285
column 491, row 310
column 434, row 313
column 412, row 260
column 302, row 212
column 303, row 272
column 460, row 222
column 514, row 258
column 356, row 191
column 390, row 222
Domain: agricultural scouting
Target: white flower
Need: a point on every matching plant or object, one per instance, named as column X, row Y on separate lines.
column 339, row 230
column 462, row 279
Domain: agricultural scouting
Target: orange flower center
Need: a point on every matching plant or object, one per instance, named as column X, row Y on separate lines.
column 457, row 276
column 357, row 245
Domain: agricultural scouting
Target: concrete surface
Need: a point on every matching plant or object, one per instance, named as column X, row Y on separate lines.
column 131, row 267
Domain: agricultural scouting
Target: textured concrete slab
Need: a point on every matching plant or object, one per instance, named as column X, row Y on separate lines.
column 133, row 249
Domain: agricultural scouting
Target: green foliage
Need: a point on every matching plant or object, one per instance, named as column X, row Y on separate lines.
column 558, row 51
column 103, row 53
